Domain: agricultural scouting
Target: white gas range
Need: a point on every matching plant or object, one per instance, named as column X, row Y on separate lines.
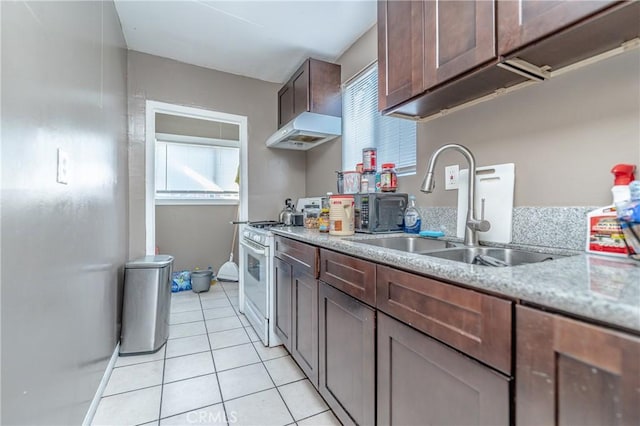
column 256, row 292
column 256, row 279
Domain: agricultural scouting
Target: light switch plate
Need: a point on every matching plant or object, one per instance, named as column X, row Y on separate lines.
column 64, row 163
column 451, row 177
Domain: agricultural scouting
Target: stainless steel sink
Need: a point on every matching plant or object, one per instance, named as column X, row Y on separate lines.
column 492, row 256
column 408, row 244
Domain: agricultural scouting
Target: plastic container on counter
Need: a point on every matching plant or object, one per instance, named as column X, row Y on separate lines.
column 351, row 182
column 370, row 178
column 341, row 215
column 311, row 215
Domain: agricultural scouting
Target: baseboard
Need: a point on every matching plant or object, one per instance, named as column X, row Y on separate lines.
column 88, row 418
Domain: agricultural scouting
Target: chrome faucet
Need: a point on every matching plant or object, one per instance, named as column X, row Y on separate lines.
column 473, row 225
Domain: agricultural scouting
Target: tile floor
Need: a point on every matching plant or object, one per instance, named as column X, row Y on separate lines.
column 213, row 370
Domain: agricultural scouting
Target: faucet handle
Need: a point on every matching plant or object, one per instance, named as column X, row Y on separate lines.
column 479, row 225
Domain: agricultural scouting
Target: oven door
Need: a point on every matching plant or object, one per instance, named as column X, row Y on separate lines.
column 255, row 276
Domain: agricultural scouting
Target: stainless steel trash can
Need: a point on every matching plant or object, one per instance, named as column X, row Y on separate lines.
column 146, row 304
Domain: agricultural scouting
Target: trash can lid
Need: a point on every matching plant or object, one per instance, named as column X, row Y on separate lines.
column 157, row 261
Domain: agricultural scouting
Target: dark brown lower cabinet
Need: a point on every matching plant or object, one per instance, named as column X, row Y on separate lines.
column 423, row 382
column 304, row 324
column 347, row 356
column 282, row 288
column 573, row 373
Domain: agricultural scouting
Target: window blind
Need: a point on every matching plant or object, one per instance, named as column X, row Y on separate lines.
column 364, row 127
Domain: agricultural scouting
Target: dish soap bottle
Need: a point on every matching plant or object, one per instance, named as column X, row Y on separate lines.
column 412, row 219
column 604, row 234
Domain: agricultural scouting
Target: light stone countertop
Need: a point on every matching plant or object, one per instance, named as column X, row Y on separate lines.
column 599, row 288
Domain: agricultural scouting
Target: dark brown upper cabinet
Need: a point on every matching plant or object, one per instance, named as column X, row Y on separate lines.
column 526, row 21
column 459, row 36
column 436, row 55
column 422, row 44
column 572, row 373
column 400, row 51
column 314, row 87
column 553, row 35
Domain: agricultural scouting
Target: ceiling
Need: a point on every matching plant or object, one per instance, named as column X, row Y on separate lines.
column 262, row 39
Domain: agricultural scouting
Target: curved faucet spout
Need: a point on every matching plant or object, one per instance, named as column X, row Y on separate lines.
column 428, row 184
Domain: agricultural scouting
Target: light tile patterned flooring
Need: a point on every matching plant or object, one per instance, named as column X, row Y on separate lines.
column 213, row 370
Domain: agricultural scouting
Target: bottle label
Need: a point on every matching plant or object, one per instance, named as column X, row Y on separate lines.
column 410, row 219
column 605, row 235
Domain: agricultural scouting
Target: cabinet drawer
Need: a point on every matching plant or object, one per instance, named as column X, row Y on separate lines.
column 353, row 276
column 302, row 255
column 476, row 324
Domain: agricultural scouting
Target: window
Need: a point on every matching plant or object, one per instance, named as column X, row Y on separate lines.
column 364, row 127
column 196, row 170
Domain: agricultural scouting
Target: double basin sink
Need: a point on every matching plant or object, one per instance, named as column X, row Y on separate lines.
column 486, row 256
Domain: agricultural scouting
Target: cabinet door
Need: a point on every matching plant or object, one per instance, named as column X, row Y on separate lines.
column 282, row 288
column 347, row 356
column 521, row 22
column 423, row 382
column 573, row 373
column 459, row 36
column 300, row 83
column 285, row 105
column 304, row 333
column 400, row 51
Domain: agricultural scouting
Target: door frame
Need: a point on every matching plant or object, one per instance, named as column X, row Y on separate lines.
column 154, row 107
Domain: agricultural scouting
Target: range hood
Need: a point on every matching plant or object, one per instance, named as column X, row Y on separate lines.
column 306, row 131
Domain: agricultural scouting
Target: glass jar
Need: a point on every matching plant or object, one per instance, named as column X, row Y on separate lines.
column 388, row 178
column 311, row 215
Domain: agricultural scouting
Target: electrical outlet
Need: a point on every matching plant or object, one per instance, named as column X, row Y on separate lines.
column 64, row 163
column 451, row 177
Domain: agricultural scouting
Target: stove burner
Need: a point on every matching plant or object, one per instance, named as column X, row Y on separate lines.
column 264, row 224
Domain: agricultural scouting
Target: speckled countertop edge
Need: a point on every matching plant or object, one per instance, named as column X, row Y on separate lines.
column 599, row 288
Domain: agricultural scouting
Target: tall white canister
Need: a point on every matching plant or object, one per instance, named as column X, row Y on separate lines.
column 341, row 214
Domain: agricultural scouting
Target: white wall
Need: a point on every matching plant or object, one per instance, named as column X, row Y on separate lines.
column 63, row 246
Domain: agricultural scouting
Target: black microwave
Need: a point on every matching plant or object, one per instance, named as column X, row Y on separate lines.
column 379, row 212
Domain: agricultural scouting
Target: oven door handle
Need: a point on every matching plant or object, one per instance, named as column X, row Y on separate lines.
column 253, row 247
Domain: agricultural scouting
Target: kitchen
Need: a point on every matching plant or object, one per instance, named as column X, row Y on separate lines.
column 88, row 233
